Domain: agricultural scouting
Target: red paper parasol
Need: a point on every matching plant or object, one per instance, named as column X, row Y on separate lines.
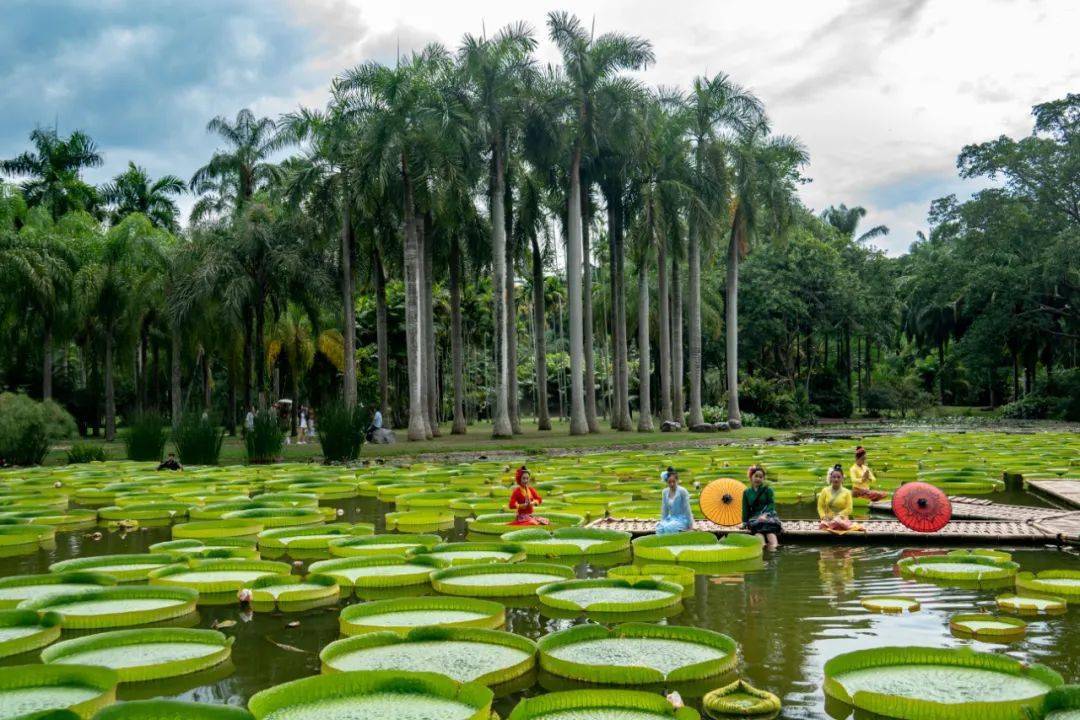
column 921, row 507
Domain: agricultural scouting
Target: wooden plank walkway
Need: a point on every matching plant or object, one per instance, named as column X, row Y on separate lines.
column 967, row 508
column 1062, row 530
column 1066, row 491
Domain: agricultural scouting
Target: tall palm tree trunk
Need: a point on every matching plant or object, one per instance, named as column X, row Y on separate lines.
column 175, row 391
column 348, row 305
column 663, row 303
column 206, row 383
column 248, row 327
column 418, row 429
column 578, row 423
column 382, row 346
column 110, row 390
column 694, row 279
column 456, row 346
column 587, row 309
column 46, row 361
column 260, row 348
column 510, row 299
column 676, row 342
column 543, row 420
column 431, row 388
column 500, row 427
column 621, row 412
column 731, row 320
column 644, row 403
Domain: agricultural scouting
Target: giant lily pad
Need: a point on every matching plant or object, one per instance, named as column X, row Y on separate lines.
column 988, row 627
column 277, row 517
column 403, row 614
column 202, row 529
column 26, row 690
column 419, row 521
column 374, row 695
column 678, row 574
column 181, row 550
column 698, row 547
column 489, row 657
column 171, row 710
column 971, row 569
column 611, row 595
column 600, row 705
column 125, row 568
column 116, row 606
column 307, row 539
column 211, row 576
column 498, row 580
column 913, row 683
column 568, row 541
column 282, row 591
column 20, row 533
column 1031, row 604
column 374, row 545
column 25, row 630
column 1063, row 703
column 1061, row 583
column 145, row 654
column 383, row 571
column 890, row 604
column 499, row 523
column 17, row 588
column 470, row 553
column 636, row 653
column 740, row 699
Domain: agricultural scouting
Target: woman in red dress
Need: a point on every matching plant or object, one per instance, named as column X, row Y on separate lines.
column 524, row 498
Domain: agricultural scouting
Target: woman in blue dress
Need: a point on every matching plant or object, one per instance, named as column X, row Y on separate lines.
column 675, row 513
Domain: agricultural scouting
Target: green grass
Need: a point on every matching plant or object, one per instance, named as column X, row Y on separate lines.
column 478, row 440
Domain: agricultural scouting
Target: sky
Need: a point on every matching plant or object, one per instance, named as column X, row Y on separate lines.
column 883, row 93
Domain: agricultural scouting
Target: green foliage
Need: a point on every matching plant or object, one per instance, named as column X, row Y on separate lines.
column 774, row 404
column 28, row 428
column 145, row 437
column 85, row 452
column 263, row 442
column 1054, row 398
column 198, row 440
column 341, row 431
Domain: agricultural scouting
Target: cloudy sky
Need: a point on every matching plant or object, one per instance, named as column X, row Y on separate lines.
column 883, row 93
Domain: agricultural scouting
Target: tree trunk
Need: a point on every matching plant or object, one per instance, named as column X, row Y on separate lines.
column 578, row 423
column 644, row 405
column 248, row 328
column 175, row 390
column 431, row 389
column 206, row 382
column 663, row 304
column 260, row 349
column 418, row 429
column 510, row 299
column 46, row 361
column 231, row 420
column 621, row 412
column 676, row 318
column 382, row 346
column 587, row 310
column 110, row 390
column 941, row 372
column 348, row 305
column 694, row 280
column 543, row 421
column 731, row 319
column 456, row 348
column 500, row 427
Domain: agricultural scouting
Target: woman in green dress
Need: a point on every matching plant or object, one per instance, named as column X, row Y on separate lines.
column 759, row 508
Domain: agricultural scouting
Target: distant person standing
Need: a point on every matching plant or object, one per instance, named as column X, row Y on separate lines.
column 249, row 419
column 302, row 432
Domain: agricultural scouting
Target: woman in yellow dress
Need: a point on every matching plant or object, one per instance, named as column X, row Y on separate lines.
column 862, row 477
column 834, row 503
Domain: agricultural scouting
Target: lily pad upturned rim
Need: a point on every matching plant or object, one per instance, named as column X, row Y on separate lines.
column 338, row 685
column 25, row 534
column 733, row 547
column 439, row 634
column 533, row 708
column 99, row 679
column 905, row 708
column 48, row 625
column 424, row 565
column 419, row 520
column 715, row 706
column 1018, row 626
column 638, row 674
column 152, row 671
column 1034, row 582
column 516, row 552
column 350, row 619
column 171, row 710
column 871, row 603
column 545, row 594
column 1063, row 697
column 201, row 529
column 153, row 561
column 1014, row 602
column 533, row 540
column 328, row 588
column 368, row 545
column 185, row 602
column 440, row 578
column 275, row 538
column 166, row 575
column 499, row 523
column 79, row 577
column 923, row 567
column 668, row 572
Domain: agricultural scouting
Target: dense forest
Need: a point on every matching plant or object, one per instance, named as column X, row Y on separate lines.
column 468, row 234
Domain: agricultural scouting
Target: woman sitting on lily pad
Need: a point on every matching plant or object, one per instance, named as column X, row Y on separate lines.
column 675, row 513
column 524, row 498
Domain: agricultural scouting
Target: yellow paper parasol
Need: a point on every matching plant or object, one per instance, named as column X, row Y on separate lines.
column 721, row 501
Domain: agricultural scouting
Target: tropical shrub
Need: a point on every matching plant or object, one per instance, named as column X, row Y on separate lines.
column 28, row 428
column 85, row 452
column 341, row 431
column 145, row 437
column 198, row 440
column 775, row 404
column 1055, row 398
column 831, row 394
column 263, row 442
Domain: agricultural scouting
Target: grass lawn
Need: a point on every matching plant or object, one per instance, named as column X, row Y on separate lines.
column 478, row 440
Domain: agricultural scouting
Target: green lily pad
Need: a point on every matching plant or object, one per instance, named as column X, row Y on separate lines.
column 147, row 654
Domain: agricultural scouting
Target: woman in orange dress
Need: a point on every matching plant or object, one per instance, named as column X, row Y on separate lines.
column 524, row 498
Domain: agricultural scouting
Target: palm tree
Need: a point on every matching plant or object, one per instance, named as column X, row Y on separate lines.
column 587, row 61
column 530, row 225
column 242, row 169
column 53, row 171
column 715, row 105
column 132, row 191
column 846, row 220
column 766, row 171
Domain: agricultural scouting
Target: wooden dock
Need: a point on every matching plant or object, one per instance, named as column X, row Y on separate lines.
column 1064, row 529
column 968, row 508
column 1064, row 491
